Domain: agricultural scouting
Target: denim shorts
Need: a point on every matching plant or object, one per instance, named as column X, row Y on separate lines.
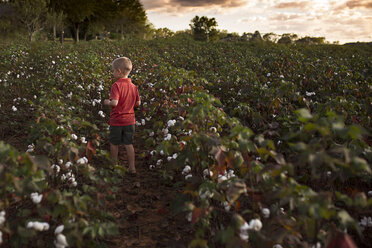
column 121, row 134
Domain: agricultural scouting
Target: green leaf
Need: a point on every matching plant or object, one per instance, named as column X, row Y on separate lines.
column 303, row 114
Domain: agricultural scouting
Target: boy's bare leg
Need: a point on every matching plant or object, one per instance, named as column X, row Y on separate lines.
column 114, row 151
column 130, row 154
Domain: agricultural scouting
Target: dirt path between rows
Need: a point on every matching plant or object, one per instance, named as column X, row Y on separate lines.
column 143, row 213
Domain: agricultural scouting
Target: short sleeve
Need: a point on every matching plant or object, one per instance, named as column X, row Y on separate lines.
column 114, row 93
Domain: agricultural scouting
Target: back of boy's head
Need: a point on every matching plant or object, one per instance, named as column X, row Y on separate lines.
column 122, row 63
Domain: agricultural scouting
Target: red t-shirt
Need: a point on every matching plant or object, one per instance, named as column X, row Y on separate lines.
column 127, row 95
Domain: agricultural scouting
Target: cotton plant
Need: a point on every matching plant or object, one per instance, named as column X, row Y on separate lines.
column 60, row 241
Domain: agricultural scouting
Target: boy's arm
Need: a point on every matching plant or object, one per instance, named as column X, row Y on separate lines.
column 138, row 103
column 111, row 103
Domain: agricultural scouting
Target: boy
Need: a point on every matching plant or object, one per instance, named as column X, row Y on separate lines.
column 123, row 98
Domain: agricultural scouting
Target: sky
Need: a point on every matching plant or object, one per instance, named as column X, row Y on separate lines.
column 342, row 20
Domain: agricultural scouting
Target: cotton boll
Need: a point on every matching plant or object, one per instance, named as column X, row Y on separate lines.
column 221, row 178
column 277, row 246
column 213, row 129
column 100, row 113
column 36, row 198
column 82, row 139
column 162, row 152
column 188, row 176
column 74, row 137
column 143, row 122
column 82, row 160
column 2, row 217
column 39, row 226
column 68, row 164
column 244, row 231
column 189, row 217
column 14, row 108
column 1, row 237
column 230, row 174
column 244, row 236
column 30, row 224
column 226, row 206
column 207, row 173
column 186, row 170
column 266, row 212
column 255, row 224
column 175, row 156
column 59, row 229
column 56, row 168
column 151, row 134
column 151, row 167
column 169, row 158
column 171, row 123
column 61, row 239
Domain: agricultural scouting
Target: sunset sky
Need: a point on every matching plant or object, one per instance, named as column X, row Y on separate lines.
column 342, row 20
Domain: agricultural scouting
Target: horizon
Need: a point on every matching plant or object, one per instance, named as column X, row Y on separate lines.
column 314, row 18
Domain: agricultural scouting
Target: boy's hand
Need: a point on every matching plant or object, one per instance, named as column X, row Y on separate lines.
column 106, row 102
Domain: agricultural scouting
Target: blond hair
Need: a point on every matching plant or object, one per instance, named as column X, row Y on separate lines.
column 122, row 63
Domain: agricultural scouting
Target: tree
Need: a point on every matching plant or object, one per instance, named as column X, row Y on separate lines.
column 163, row 33
column 130, row 19
column 256, row 37
column 77, row 11
column 311, row 40
column 287, row 38
column 204, row 28
column 7, row 17
column 31, row 14
column 270, row 37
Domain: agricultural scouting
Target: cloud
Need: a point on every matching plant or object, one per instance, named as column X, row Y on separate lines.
column 169, row 6
column 292, row 5
column 285, row 17
column 252, row 19
column 351, row 4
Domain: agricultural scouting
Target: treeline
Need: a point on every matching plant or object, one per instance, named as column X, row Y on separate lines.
column 113, row 19
column 205, row 29
column 79, row 19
